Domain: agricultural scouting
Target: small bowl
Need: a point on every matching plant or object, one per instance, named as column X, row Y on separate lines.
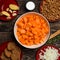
column 43, row 48
column 4, row 45
column 32, row 46
column 30, row 5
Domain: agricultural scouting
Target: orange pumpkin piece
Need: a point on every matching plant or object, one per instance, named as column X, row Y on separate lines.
column 22, row 31
column 33, row 29
column 17, row 33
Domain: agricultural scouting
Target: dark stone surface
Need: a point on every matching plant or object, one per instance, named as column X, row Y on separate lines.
column 6, row 29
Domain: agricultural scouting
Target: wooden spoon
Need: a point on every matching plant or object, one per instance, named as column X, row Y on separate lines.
column 55, row 34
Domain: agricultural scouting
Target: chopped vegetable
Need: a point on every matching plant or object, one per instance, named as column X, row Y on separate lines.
column 50, row 53
column 32, row 29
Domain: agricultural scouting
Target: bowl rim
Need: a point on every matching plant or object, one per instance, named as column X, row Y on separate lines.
column 34, row 46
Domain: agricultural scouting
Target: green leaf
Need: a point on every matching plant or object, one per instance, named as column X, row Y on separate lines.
column 53, row 40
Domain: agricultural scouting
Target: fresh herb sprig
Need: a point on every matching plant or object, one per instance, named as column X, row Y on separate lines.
column 53, row 40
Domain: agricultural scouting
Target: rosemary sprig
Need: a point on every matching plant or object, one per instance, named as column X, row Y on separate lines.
column 53, row 40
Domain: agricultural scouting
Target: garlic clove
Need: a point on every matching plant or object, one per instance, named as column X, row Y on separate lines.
column 10, row 11
column 9, row 17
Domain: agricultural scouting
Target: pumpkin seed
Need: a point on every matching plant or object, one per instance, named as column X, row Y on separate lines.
column 5, row 13
column 13, row 7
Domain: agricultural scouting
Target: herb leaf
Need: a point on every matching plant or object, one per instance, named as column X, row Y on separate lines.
column 53, row 40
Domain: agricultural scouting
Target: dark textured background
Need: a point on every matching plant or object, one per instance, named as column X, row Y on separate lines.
column 6, row 29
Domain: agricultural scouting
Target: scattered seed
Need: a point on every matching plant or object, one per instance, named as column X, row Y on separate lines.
column 7, row 9
column 14, row 14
